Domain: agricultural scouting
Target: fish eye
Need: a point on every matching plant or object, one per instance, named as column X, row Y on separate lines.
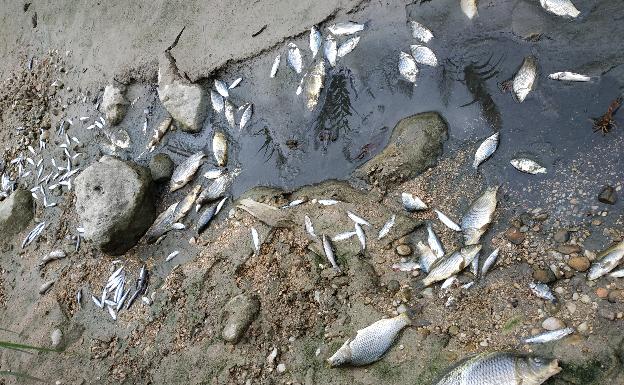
column 538, row 360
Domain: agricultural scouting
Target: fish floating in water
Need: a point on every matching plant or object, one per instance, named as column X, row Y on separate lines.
column 314, row 84
column 412, row 203
column 407, row 67
column 347, row 28
column 469, row 8
column 527, row 165
column 331, row 50
column 569, row 77
column 294, row 58
column 349, row 45
column 217, row 101
column 424, row 55
column 219, row 148
column 606, row 261
column 448, row 222
column 485, row 150
column 420, row 32
column 370, row 343
column 479, row 216
column 315, row 41
column 452, row 264
column 524, row 80
column 186, row 171
column 564, row 8
column 542, row 291
column 550, row 336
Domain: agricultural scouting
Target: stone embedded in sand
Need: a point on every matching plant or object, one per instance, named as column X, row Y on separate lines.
column 115, row 202
column 608, row 195
column 239, row 313
column 579, row 263
column 114, row 104
column 161, row 166
column 552, row 323
column 15, row 213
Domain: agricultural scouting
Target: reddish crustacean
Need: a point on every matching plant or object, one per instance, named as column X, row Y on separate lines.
column 606, row 123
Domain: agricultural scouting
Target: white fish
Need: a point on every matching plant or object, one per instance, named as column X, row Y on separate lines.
column 485, row 150
column 479, row 216
column 524, row 80
column 214, row 174
column 361, row 236
column 246, row 117
column 347, row 28
column 447, row 221
column 331, row 50
column 221, row 88
column 220, row 205
column 606, row 261
column 542, row 291
column 406, row 266
column 294, row 58
column 299, row 89
column 235, row 83
column 256, row 239
column 348, row 46
column 386, row 227
column 423, row 55
column 434, row 242
column 217, row 101
column 172, row 255
column 427, row 257
column 328, row 202
column 448, row 282
column 420, row 32
column 230, row 110
column 407, row 67
column 344, row 236
column 412, row 203
column 527, row 165
column 489, row 262
column 186, row 170
column 308, row 226
column 275, row 66
column 314, row 83
column 219, row 148
column 564, row 8
column 469, row 8
column 452, row 264
column 315, row 41
column 357, row 219
column 549, row 336
column 569, row 77
column 329, row 253
column 617, row 274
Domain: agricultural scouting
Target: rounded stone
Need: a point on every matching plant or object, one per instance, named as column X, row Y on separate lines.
column 561, row 236
column 583, row 327
column 239, row 313
column 601, row 292
column 579, row 263
column 393, row 286
column 403, row 250
column 56, row 337
column 552, row 323
column 514, row 235
column 616, row 296
column 544, row 276
column 161, row 166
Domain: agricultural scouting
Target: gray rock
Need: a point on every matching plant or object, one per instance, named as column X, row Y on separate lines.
column 415, row 145
column 608, row 195
column 114, row 104
column 186, row 102
column 239, row 313
column 15, row 213
column 56, row 337
column 562, row 236
column 161, row 166
column 115, row 202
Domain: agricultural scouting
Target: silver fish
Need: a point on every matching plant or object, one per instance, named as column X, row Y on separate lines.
column 331, row 50
column 329, row 253
column 220, row 205
column 294, row 58
column 479, row 216
column 162, row 224
column 230, row 110
column 256, row 239
column 314, row 83
column 501, row 368
column 420, row 32
column 308, row 226
column 527, row 165
column 186, row 204
column 617, row 274
column 246, row 117
column 159, row 133
column 412, row 203
column 542, row 291
column 485, row 150
column 45, row 287
column 235, row 83
column 275, row 66
column 489, row 262
column 52, row 256
column 315, row 41
column 427, row 257
column 348, row 28
column 186, row 170
column 407, row 67
column 205, row 217
column 214, row 173
column 569, row 77
column 344, row 236
column 172, row 255
column 370, row 343
column 452, row 264
column 221, row 88
column 299, row 89
column 524, row 81
column 550, row 336
column 449, row 282
column 349, row 45
column 357, row 219
column 606, row 261
column 219, row 148
column 328, row 202
column 447, row 221
column 434, row 242
column 469, row 8
column 406, row 266
column 386, row 227
column 474, row 266
column 361, row 236
column 564, row 8
column 424, row 55
column 217, row 101
column 216, row 189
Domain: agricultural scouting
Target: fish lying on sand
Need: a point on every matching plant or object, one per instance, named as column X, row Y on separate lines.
column 448, row 222
column 427, row 257
column 434, row 242
column 489, row 262
column 294, row 58
column 329, row 253
column 549, row 336
column 452, row 264
column 412, row 203
column 606, row 261
column 386, row 227
column 542, row 291
column 527, row 165
column 331, row 50
column 275, row 66
column 479, row 216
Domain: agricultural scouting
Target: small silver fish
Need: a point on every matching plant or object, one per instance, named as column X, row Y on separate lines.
column 308, row 226
column 235, row 83
column 569, row 77
column 370, row 343
column 524, row 81
column 220, row 205
column 172, row 255
column 361, row 236
column 328, row 202
column 617, row 274
column 275, row 66
column 347, row 28
column 230, row 110
column 186, row 171
column 246, row 117
column 407, row 67
column 479, row 216
column 186, row 204
column 256, row 239
column 349, row 45
column 214, row 173
column 294, row 58
column 542, row 291
column 162, row 129
column 606, row 261
column 357, row 219
column 424, row 55
column 329, row 253
column 315, row 41
column 485, row 150
column 489, row 262
column 407, row 266
column 469, row 8
column 448, row 282
column 434, row 242
column 474, row 265
column 412, row 203
column 221, row 88
column 447, row 221
column 564, row 8
column 216, row 189
column 205, row 217
column 344, row 236
column 331, row 50
column 314, row 83
column 46, row 286
column 217, row 101
column 550, row 336
column 452, row 264
column 427, row 257
column 219, row 148
column 527, row 165
column 386, row 227
column 420, row 32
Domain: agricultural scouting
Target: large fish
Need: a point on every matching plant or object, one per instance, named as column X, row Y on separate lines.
column 485, row 150
column 452, row 264
column 524, row 81
column 186, row 170
column 563, row 8
column 479, row 216
column 331, row 50
column 606, row 261
column 217, row 189
column 314, row 84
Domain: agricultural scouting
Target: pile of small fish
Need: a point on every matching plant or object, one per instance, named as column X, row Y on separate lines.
column 420, row 54
column 114, row 294
column 221, row 102
column 563, row 8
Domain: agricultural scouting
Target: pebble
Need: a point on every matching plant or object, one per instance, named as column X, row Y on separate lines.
column 403, row 250
column 583, row 327
column 552, row 323
column 579, row 263
column 514, row 235
column 544, row 276
column 601, row 292
column 607, row 195
column 571, row 306
column 562, row 236
column 453, row 330
column 615, row 296
column 281, row 368
column 161, row 166
column 569, row 249
column 393, row 286
column 56, row 337
column 606, row 314
column 585, row 298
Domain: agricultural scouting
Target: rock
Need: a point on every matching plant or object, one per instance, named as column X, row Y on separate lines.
column 562, row 236
column 239, row 313
column 56, row 337
column 186, row 102
column 601, row 292
column 403, row 250
column 552, row 323
column 514, row 235
column 281, row 368
column 393, row 286
column 544, row 276
column 453, row 330
column 583, row 327
column 16, row 212
column 585, row 298
column 161, row 166
column 579, row 263
column 414, row 146
column 115, row 202
column 608, row 195
column 616, row 296
column 607, row 314
column 569, row 249
column 571, row 306
column 114, row 104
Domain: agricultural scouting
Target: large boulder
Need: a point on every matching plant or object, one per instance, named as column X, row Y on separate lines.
column 186, row 102
column 115, row 202
column 415, row 145
column 238, row 314
column 15, row 213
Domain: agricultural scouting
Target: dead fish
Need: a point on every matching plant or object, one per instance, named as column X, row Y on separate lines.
column 357, row 219
column 230, row 110
column 407, row 67
column 214, row 173
column 489, row 262
column 501, row 368
column 308, row 226
column 328, row 202
column 550, row 336
column 219, row 148
column 294, row 203
column 329, row 253
column 485, row 150
column 172, row 255
column 294, row 58
column 412, row 203
column 275, row 66
column 235, row 83
column 386, row 227
column 314, row 84
column 348, row 46
column 564, row 8
column 315, row 41
column 606, row 261
column 524, row 81
column 434, row 242
column 542, row 291
column 216, row 189
column 186, row 171
column 346, row 28
column 299, row 89
column 256, row 239
column 246, row 117
column 331, row 50
column 162, row 224
column 427, row 257
column 344, row 236
column 217, row 101
column 370, row 343
column 407, row 266
column 452, row 264
column 361, row 236
column 448, row 282
column 527, row 165
column 569, row 77
column 447, row 221
column 420, row 32
column 221, row 88
column 617, row 274
column 185, row 205
column 220, row 205
column 52, row 256
column 162, row 129
column 479, row 216
column 424, row 55
column 205, row 217
column 45, row 287
column 469, row 8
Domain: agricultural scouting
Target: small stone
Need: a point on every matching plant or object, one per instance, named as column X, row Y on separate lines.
column 596, row 222
column 114, row 104
column 569, row 249
column 483, row 343
column 571, row 306
column 579, row 263
column 56, row 337
column 607, row 195
column 240, row 311
column 562, row 236
column 541, row 217
column 393, row 286
column 427, row 293
column 403, row 250
column 583, row 327
column 601, row 292
column 606, row 314
column 514, row 235
column 585, row 298
column 615, row 296
column 281, row 368
column 544, row 275
column 161, row 166
column 453, row 330
column 552, row 323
